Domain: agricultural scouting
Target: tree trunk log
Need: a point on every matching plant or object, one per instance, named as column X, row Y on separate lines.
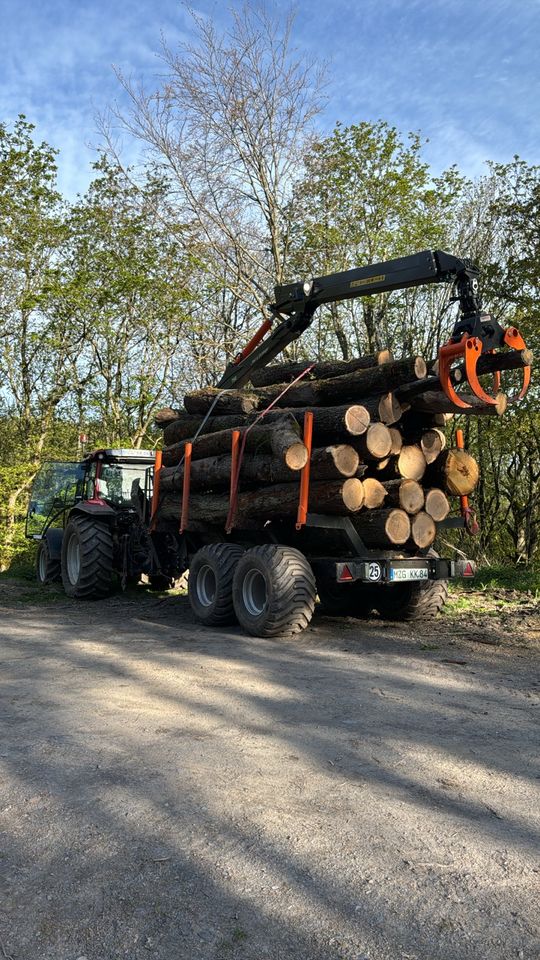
column 423, row 530
column 222, row 402
column 374, row 493
column 436, row 401
column 455, row 471
column 348, row 388
column 437, row 504
column 432, row 443
column 375, row 444
column 285, row 372
column 385, row 409
column 281, row 439
column 380, row 528
column 406, row 494
column 328, row 422
column 214, row 473
column 410, row 464
column 339, row 498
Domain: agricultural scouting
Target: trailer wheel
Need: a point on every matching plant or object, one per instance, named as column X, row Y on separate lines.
column 274, row 591
column 87, row 559
column 412, row 601
column 47, row 569
column 210, row 583
column 345, row 599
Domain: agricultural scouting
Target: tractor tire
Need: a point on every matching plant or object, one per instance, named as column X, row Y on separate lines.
column 48, row 570
column 210, row 583
column 345, row 599
column 87, row 559
column 412, row 601
column 274, row 591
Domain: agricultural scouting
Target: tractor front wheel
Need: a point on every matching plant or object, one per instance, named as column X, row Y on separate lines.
column 47, row 568
column 87, row 559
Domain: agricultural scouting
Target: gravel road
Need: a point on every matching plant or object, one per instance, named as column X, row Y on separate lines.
column 366, row 791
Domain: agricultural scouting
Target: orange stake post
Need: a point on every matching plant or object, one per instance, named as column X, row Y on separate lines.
column 235, row 454
column 184, row 516
column 155, row 488
column 301, row 516
column 467, row 512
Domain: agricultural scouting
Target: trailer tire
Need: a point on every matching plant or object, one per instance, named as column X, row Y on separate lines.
column 48, row 569
column 274, row 591
column 412, row 601
column 345, row 599
column 210, row 583
column 87, row 559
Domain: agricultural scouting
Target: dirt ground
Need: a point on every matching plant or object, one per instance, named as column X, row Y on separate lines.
column 365, row 791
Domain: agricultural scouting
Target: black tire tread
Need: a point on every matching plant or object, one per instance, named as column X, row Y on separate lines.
column 294, row 590
column 224, row 557
column 96, row 551
column 53, row 569
column 422, row 601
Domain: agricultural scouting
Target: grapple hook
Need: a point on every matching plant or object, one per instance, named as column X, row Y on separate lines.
column 470, row 349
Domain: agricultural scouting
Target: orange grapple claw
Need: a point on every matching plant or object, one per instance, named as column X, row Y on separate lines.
column 470, row 348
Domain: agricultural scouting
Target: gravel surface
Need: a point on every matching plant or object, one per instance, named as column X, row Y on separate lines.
column 365, row 791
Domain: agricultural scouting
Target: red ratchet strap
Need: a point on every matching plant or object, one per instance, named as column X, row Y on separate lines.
column 235, row 475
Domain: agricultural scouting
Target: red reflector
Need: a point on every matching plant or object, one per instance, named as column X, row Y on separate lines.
column 346, row 574
column 468, row 571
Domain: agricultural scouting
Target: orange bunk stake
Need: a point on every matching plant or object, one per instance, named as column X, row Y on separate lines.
column 467, row 512
column 301, row 516
column 155, row 490
column 184, row 516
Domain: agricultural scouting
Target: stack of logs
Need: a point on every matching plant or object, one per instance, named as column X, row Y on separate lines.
column 379, row 452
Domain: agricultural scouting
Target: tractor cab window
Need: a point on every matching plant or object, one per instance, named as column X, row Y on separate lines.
column 56, row 488
column 118, row 482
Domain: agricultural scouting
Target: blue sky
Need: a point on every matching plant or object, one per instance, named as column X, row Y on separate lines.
column 466, row 74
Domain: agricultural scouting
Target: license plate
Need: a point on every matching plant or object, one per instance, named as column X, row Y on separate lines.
column 409, row 573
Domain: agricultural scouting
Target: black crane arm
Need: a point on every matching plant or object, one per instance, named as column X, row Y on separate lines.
column 295, row 303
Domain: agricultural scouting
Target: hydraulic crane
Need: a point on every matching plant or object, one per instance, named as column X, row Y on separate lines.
column 474, row 332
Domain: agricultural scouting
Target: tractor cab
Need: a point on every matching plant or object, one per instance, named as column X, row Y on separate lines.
column 109, row 479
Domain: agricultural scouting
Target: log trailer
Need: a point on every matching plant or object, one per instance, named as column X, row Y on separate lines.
column 102, row 520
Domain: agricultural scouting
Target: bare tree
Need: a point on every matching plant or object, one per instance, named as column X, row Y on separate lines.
column 229, row 124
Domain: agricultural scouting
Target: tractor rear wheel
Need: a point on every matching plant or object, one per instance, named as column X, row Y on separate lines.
column 47, row 569
column 87, row 559
column 210, row 583
column 274, row 591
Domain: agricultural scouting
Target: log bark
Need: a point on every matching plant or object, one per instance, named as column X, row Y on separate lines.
column 222, row 402
column 380, row 528
column 285, row 372
column 374, row 493
column 375, row 444
column 455, row 471
column 348, row 388
column 436, row 401
column 328, row 422
column 410, row 464
column 339, row 498
column 406, row 494
column 423, row 530
column 282, row 439
column 214, row 473
column 437, row 504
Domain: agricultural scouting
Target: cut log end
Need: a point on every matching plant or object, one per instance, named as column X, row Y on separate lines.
column 353, row 494
column 378, row 441
column 357, row 420
column 411, row 462
column 423, row 530
column 437, row 505
column 296, row 456
column 374, row 493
